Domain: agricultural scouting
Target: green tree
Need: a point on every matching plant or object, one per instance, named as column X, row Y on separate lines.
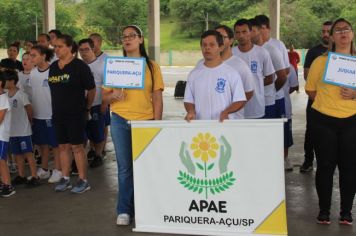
column 109, row 17
column 17, row 20
column 67, row 17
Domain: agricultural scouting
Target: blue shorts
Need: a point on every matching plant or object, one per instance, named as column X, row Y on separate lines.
column 21, row 145
column 4, row 146
column 107, row 116
column 270, row 112
column 280, row 108
column 96, row 125
column 288, row 137
column 44, row 133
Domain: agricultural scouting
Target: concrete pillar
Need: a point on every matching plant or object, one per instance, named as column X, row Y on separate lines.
column 49, row 15
column 275, row 15
column 154, row 30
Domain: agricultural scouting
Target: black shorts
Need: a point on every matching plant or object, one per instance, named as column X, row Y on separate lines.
column 70, row 130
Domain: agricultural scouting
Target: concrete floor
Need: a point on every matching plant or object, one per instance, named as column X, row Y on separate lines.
column 41, row 211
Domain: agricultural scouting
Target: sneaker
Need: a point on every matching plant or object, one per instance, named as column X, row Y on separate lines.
column 7, row 191
column 91, row 155
column 74, row 170
column 345, row 218
column 43, row 174
column 33, row 182
column 323, row 218
column 18, row 180
column 123, row 219
column 287, row 165
column 81, row 187
column 306, row 167
column 12, row 168
column 63, row 185
column 55, row 177
column 96, row 162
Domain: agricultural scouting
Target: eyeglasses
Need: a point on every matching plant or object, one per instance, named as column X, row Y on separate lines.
column 342, row 31
column 128, row 37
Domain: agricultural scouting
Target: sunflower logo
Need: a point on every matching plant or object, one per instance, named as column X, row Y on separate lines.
column 207, row 153
column 204, row 146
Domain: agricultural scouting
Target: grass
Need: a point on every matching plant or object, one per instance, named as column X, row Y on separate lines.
column 171, row 39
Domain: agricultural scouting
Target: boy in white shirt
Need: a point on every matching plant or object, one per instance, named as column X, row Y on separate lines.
column 24, row 76
column 96, row 125
column 214, row 90
column 20, row 132
column 6, row 189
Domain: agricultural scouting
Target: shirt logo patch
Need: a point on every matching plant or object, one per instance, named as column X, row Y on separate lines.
column 59, row 79
column 254, row 66
column 14, row 103
column 45, row 83
column 220, row 85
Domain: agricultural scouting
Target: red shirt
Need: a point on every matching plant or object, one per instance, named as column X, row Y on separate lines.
column 294, row 59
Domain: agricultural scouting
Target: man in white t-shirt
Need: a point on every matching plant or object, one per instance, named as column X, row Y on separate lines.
column 238, row 64
column 96, row 125
column 289, row 87
column 101, row 56
column 274, row 92
column 260, row 64
column 214, row 90
column 266, row 37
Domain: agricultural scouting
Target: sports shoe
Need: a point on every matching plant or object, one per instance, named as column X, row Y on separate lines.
column 91, row 155
column 43, row 174
column 323, row 218
column 81, row 187
column 74, row 170
column 96, row 162
column 7, row 191
column 12, row 168
column 63, row 185
column 55, row 177
column 123, row 219
column 345, row 218
column 33, row 182
column 306, row 167
column 287, row 165
column 18, row 180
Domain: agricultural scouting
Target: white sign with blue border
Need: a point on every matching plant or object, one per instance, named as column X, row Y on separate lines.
column 124, row 72
column 340, row 70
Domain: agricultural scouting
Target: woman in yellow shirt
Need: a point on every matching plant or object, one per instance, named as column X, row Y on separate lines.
column 334, row 129
column 127, row 105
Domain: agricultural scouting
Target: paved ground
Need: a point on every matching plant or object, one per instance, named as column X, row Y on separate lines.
column 40, row 211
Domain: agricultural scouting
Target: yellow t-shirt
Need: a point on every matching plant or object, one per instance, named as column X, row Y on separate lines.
column 328, row 99
column 137, row 104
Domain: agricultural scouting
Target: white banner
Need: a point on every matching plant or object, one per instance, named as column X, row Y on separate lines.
column 341, row 70
column 124, row 72
column 209, row 178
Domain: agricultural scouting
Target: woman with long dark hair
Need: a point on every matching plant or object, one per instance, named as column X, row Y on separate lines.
column 334, row 129
column 132, row 104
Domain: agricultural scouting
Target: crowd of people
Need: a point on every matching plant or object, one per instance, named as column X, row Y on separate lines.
column 54, row 102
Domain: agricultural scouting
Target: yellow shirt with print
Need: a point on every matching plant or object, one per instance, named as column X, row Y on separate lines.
column 328, row 100
column 137, row 104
